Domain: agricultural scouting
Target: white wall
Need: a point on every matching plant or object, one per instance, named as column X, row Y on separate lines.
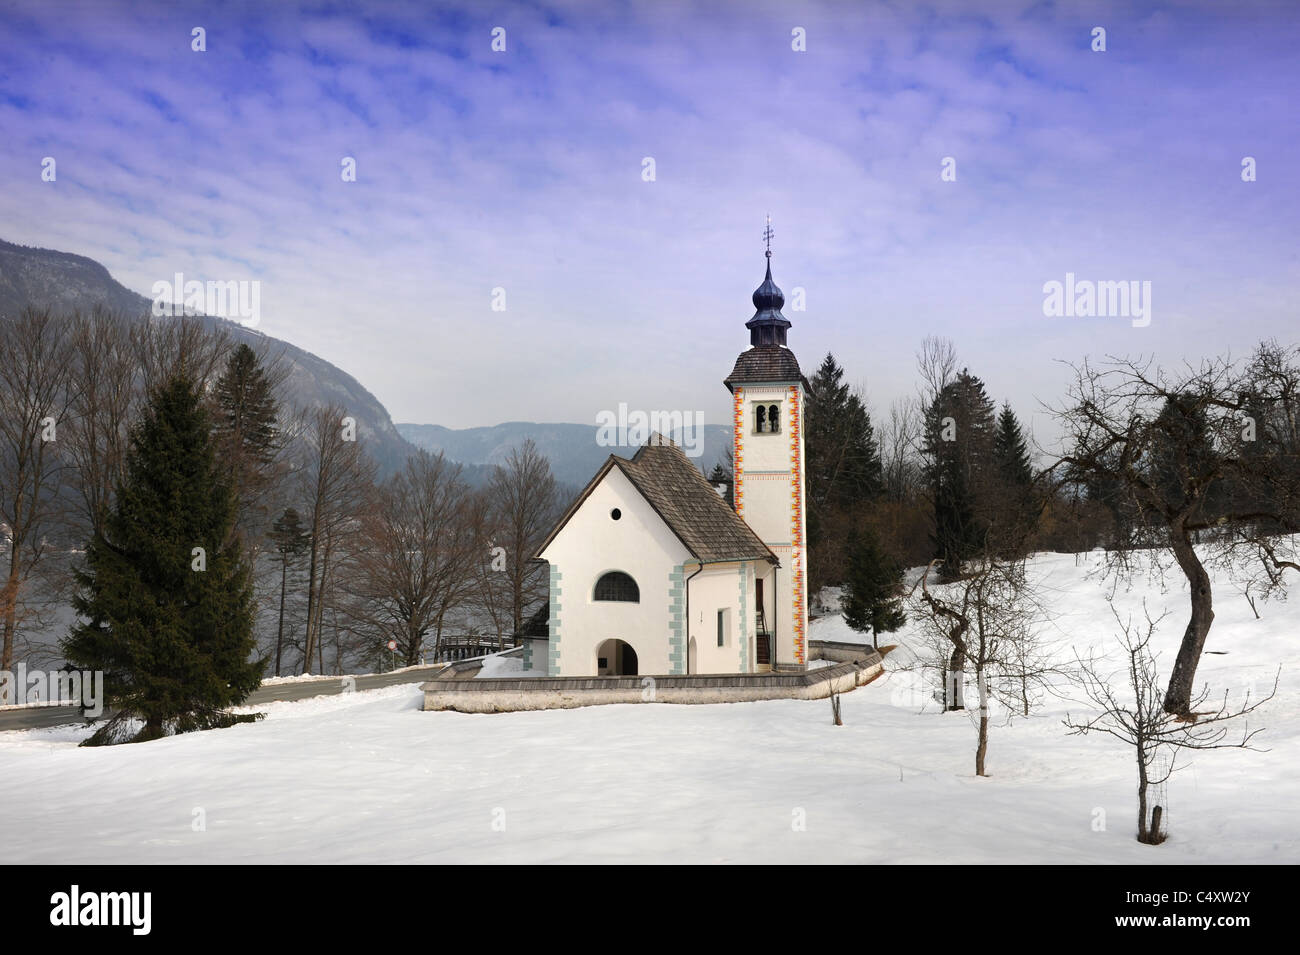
column 639, row 544
column 718, row 587
column 767, row 505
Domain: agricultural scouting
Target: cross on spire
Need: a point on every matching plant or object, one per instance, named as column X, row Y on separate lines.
column 767, row 237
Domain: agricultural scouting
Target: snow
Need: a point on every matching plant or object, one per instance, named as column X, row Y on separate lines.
column 368, row 777
column 499, row 665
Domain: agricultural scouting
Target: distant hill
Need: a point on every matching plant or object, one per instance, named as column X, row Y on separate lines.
column 571, row 448
column 63, row 281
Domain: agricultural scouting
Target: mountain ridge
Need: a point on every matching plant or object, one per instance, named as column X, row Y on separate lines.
column 67, row 281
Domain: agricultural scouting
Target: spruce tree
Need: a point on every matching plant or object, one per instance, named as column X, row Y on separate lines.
column 842, row 468
column 247, row 434
column 721, row 475
column 290, row 539
column 1016, row 506
column 960, row 470
column 871, row 591
column 1011, row 451
column 165, row 594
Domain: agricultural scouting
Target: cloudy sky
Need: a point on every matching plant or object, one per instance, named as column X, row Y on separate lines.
column 523, row 170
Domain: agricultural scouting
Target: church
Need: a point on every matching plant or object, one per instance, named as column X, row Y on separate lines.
column 652, row 572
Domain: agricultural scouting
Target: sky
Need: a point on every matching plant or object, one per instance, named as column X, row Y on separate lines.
column 524, row 170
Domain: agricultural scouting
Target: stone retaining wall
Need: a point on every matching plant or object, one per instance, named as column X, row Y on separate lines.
column 504, row 695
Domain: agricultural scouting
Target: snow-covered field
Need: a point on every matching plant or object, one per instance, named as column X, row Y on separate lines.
column 367, row 777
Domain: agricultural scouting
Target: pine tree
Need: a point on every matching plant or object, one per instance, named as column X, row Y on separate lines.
column 721, row 476
column 247, row 433
column 1016, row 508
column 165, row 594
column 960, row 470
column 842, row 468
column 871, row 591
column 1011, row 451
column 290, row 539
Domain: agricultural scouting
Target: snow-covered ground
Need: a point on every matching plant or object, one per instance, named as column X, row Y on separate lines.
column 367, row 777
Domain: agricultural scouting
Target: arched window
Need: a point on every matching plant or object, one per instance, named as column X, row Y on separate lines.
column 617, row 585
column 773, row 419
column 760, row 418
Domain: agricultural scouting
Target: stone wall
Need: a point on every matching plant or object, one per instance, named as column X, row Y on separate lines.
column 538, row 693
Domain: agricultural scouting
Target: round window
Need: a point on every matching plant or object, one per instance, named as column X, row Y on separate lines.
column 616, row 513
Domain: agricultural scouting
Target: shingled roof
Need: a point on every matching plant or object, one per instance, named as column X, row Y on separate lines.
column 685, row 501
column 765, row 363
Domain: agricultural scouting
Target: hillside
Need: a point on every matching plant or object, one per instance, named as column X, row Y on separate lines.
column 571, row 448
column 66, row 282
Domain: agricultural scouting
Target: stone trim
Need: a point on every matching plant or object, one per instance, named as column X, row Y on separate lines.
column 553, row 624
column 677, row 623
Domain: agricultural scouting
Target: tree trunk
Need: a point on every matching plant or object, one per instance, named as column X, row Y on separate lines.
column 9, row 601
column 1178, row 698
column 311, row 595
column 952, row 694
column 983, row 747
column 279, row 635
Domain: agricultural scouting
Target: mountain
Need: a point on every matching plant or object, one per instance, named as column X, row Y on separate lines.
column 64, row 282
column 571, row 448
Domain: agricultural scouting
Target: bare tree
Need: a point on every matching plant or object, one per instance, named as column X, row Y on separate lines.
column 1179, row 459
column 987, row 624
column 169, row 346
column 422, row 545
column 35, row 393
column 103, row 364
column 1142, row 722
column 335, row 477
column 524, row 500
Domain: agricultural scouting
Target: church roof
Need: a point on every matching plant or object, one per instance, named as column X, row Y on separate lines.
column 686, row 502
column 765, row 363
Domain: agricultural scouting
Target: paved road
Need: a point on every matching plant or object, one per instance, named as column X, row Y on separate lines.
column 37, row 716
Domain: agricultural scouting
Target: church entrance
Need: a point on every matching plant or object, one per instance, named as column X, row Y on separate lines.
column 615, row 658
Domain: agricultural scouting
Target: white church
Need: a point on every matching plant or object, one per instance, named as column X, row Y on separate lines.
column 651, row 572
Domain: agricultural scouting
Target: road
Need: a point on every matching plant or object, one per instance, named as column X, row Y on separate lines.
column 34, row 717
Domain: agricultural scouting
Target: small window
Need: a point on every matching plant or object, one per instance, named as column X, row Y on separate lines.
column 722, row 628
column 615, row 514
column 617, row 585
column 767, row 418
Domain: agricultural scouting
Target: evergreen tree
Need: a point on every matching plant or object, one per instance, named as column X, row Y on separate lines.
column 247, row 433
column 841, row 457
column 165, row 594
column 290, row 539
column 721, row 475
column 1011, row 451
column 841, row 467
column 1016, row 509
column 960, row 470
column 871, row 591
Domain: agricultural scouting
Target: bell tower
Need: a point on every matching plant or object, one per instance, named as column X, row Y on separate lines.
column 768, row 392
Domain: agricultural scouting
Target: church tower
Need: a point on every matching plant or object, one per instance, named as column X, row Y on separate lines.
column 768, row 393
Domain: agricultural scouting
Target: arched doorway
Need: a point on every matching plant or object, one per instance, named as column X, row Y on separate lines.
column 615, row 658
column 691, row 665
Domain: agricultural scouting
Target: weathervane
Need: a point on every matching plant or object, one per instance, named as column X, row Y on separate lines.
column 767, row 237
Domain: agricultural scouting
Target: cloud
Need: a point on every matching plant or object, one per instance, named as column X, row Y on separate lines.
column 522, row 170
